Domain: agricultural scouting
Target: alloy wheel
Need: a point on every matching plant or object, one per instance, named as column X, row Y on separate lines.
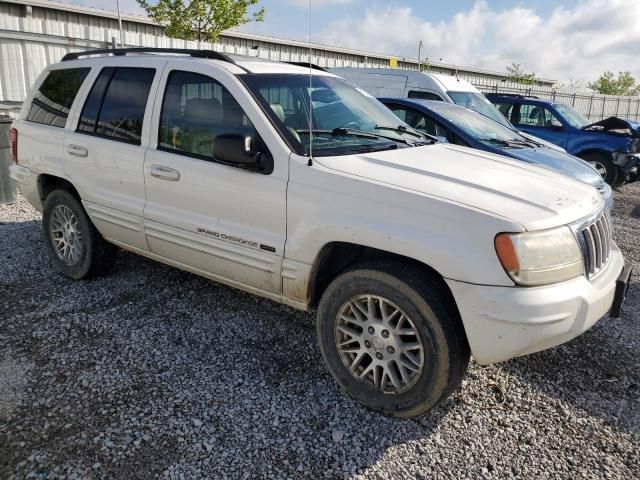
column 379, row 344
column 66, row 235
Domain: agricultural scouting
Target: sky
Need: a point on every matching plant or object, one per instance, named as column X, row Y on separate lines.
column 572, row 41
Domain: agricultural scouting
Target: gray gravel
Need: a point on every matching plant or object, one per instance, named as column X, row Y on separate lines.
column 153, row 372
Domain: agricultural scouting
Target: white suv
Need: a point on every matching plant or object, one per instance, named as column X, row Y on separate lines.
column 288, row 183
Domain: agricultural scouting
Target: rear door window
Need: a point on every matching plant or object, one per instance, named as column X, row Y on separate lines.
column 53, row 100
column 116, row 104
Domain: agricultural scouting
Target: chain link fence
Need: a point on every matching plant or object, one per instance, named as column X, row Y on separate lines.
column 592, row 105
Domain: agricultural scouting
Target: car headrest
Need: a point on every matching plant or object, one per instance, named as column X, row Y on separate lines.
column 535, row 113
column 278, row 110
column 205, row 111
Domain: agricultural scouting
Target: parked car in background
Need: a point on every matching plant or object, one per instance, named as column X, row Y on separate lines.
column 414, row 253
column 384, row 82
column 611, row 145
column 461, row 126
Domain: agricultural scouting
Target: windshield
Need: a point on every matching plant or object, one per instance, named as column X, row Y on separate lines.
column 477, row 126
column 479, row 103
column 345, row 119
column 572, row 116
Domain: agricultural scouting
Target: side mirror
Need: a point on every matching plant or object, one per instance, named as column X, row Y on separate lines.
column 556, row 125
column 236, row 150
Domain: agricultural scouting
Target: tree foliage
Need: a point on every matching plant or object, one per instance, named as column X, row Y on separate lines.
column 608, row 84
column 201, row 20
column 518, row 75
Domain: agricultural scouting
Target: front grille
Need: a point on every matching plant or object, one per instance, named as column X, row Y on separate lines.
column 597, row 242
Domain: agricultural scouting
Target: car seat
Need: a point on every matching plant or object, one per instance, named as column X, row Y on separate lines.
column 537, row 116
column 279, row 111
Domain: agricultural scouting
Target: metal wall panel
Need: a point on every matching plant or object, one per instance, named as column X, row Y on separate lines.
column 34, row 33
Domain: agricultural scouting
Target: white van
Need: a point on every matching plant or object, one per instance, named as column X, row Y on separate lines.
column 385, row 82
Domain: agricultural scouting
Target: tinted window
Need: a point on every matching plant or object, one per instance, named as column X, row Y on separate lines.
column 195, row 110
column 52, row 102
column 89, row 115
column 537, row 116
column 116, row 104
column 424, row 95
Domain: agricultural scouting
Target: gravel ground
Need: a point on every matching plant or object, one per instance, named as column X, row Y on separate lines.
column 153, row 372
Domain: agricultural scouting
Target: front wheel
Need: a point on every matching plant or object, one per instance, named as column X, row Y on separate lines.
column 391, row 338
column 603, row 163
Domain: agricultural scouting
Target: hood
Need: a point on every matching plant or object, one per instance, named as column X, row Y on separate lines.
column 541, row 141
column 560, row 162
column 534, row 197
column 615, row 125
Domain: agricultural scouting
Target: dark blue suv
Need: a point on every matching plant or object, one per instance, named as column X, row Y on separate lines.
column 611, row 145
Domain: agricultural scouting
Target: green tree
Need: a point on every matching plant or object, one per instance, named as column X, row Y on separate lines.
column 518, row 75
column 201, row 20
column 608, row 84
column 425, row 65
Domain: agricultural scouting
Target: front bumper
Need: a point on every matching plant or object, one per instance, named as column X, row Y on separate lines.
column 629, row 164
column 632, row 169
column 506, row 322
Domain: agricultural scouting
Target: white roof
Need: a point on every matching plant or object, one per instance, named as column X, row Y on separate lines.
column 451, row 83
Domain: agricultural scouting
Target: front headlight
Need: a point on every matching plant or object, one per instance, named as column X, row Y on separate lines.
column 540, row 258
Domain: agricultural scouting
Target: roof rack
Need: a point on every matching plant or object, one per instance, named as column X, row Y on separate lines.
column 124, row 51
column 511, row 95
column 313, row 66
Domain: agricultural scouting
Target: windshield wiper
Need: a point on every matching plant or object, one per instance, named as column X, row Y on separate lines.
column 399, row 129
column 506, row 143
column 343, row 131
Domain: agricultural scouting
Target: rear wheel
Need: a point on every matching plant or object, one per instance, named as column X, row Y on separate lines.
column 76, row 248
column 603, row 163
column 392, row 338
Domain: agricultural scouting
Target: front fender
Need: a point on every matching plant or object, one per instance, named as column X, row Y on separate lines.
column 454, row 240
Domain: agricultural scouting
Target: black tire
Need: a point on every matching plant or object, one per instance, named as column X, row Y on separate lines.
column 437, row 321
column 602, row 161
column 96, row 255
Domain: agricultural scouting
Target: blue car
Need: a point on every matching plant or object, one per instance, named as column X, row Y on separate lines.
column 458, row 125
column 611, row 145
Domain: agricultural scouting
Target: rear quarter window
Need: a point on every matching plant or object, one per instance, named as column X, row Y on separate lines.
column 53, row 100
column 424, row 95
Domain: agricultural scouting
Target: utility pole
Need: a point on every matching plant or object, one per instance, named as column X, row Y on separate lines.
column 119, row 22
column 419, row 53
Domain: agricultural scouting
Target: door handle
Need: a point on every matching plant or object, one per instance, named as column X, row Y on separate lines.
column 165, row 173
column 77, row 150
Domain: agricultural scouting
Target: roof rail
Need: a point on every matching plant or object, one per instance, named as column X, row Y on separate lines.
column 124, row 51
column 313, row 66
column 512, row 95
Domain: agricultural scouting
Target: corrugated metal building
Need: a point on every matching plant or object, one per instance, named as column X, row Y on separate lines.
column 34, row 33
